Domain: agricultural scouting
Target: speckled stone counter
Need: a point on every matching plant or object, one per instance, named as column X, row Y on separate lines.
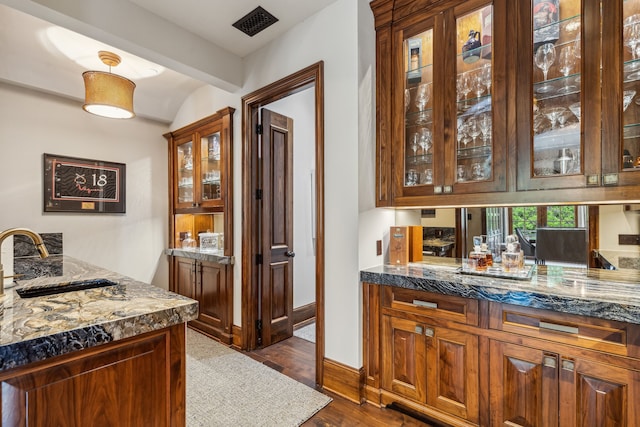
column 34, row 329
column 201, row 255
column 613, row 295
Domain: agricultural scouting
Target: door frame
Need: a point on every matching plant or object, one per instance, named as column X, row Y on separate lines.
column 312, row 76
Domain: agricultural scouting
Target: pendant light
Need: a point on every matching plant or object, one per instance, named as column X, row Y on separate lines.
column 107, row 94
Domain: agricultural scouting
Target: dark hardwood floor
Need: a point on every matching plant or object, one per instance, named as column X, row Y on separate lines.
column 295, row 358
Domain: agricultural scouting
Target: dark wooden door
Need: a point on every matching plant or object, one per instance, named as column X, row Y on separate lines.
column 277, row 228
column 212, row 294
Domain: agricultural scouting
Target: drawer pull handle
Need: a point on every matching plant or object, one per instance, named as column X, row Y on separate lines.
column 425, row 303
column 429, row 332
column 418, row 330
column 550, row 362
column 558, row 328
column 568, row 365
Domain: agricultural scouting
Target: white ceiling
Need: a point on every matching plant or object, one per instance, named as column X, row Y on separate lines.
column 192, row 40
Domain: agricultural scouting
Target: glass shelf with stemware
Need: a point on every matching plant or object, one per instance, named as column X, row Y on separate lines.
column 556, row 87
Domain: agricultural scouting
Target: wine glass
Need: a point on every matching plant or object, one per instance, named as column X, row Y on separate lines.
column 566, row 61
column 460, row 173
column 627, row 97
column 478, row 84
column 577, row 52
column 631, row 35
column 545, row 56
column 485, row 127
column 575, row 109
column 425, row 140
column 486, row 76
column 463, row 87
column 407, row 102
column 415, row 143
column 460, row 134
column 552, row 114
column 422, row 97
column 473, row 129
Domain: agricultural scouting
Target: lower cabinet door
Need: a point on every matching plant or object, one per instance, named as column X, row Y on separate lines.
column 404, row 358
column 594, row 394
column 452, row 372
column 212, row 295
column 184, row 282
column 523, row 386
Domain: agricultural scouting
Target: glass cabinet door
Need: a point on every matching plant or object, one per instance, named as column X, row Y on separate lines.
column 474, row 80
column 557, row 83
column 418, row 109
column 622, row 157
column 210, row 167
column 184, row 174
column 559, row 140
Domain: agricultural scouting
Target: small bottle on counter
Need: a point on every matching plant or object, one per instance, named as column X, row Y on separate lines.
column 484, row 248
column 479, row 257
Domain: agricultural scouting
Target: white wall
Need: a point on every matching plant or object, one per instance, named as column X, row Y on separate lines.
column 301, row 108
column 614, row 220
column 33, row 123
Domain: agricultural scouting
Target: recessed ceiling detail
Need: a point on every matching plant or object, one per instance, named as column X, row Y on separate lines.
column 255, row 21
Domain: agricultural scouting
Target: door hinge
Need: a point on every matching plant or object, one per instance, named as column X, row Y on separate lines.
column 259, row 332
column 258, row 194
column 258, row 259
column 259, row 129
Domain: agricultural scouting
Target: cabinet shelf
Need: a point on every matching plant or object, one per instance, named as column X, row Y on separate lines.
column 556, row 87
column 474, row 152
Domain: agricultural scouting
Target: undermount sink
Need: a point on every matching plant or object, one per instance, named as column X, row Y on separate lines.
column 60, row 288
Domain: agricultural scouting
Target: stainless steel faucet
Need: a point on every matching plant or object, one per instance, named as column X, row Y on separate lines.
column 37, row 240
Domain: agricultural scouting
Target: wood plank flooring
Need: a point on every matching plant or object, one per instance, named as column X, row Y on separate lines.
column 295, row 358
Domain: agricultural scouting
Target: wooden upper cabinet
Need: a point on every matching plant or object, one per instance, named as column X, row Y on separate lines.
column 201, row 163
column 471, row 103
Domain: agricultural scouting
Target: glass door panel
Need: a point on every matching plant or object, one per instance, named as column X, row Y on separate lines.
column 210, row 167
column 557, row 86
column 474, row 78
column 418, row 109
column 631, row 86
column 185, row 172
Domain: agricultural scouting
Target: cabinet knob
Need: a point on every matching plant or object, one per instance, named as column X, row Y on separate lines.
column 290, row 254
column 429, row 332
column 568, row 365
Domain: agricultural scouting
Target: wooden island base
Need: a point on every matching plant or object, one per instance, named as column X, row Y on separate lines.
column 131, row 382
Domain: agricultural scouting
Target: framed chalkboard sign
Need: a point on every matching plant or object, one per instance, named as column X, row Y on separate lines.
column 82, row 185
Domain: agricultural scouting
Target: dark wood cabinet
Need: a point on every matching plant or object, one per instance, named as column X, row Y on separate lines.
column 133, row 382
column 475, row 363
column 210, row 284
column 506, row 121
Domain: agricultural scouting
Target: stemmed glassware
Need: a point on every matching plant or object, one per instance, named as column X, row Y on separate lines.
column 425, row 140
column 473, row 129
column 460, row 135
column 463, row 87
column 575, row 109
column 415, row 143
column 422, row 98
column 627, row 97
column 566, row 61
column 545, row 56
column 485, row 73
column 485, row 127
column 478, row 84
column 552, row 114
column 631, row 33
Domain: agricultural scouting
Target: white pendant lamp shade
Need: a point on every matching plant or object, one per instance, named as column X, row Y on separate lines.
column 107, row 94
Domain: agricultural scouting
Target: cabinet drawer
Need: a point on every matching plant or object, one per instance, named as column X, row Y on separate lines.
column 461, row 310
column 589, row 332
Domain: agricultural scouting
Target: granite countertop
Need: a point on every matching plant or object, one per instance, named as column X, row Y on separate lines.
column 34, row 329
column 211, row 256
column 612, row 295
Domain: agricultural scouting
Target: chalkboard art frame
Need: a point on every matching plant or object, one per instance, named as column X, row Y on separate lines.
column 72, row 184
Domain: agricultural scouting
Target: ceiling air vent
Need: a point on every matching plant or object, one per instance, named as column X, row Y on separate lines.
column 255, row 21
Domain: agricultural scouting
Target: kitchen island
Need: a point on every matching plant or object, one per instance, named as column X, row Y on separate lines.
column 562, row 348
column 112, row 355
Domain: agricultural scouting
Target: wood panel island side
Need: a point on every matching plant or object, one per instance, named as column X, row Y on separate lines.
column 112, row 355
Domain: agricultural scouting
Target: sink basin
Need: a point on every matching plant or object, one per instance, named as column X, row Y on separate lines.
column 60, row 288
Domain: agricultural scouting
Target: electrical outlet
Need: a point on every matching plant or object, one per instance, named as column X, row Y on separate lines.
column 378, row 247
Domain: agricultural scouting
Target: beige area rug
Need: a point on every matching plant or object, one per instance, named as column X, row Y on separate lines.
column 227, row 388
column 306, row 332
